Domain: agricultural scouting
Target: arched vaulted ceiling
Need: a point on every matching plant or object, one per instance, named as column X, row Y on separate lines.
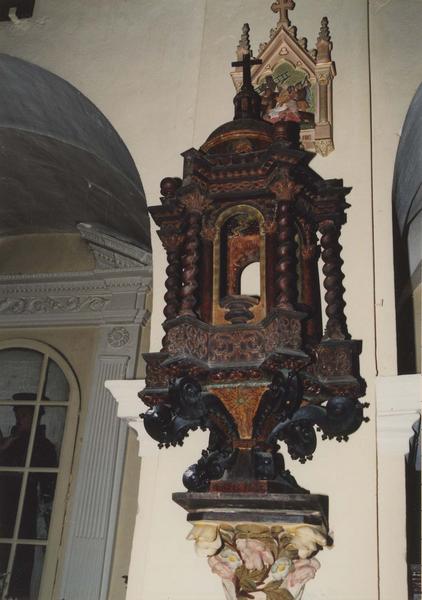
column 407, row 186
column 61, row 161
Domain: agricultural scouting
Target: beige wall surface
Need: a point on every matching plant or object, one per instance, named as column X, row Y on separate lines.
column 45, row 253
column 159, row 71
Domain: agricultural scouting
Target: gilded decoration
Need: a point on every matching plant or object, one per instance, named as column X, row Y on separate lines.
column 253, row 560
column 294, row 82
column 242, row 402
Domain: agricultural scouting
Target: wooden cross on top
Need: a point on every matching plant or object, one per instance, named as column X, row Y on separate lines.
column 283, row 7
column 247, row 62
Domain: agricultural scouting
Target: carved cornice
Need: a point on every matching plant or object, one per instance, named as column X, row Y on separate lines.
column 111, row 294
column 111, row 251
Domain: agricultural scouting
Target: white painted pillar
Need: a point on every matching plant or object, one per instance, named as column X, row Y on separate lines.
column 88, row 559
column 398, row 405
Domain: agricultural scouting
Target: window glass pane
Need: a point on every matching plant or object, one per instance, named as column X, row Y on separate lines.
column 56, row 387
column 15, row 429
column 26, row 573
column 4, row 559
column 37, row 507
column 10, row 487
column 49, row 436
column 19, row 372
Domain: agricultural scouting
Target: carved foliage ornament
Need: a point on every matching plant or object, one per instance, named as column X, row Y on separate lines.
column 259, row 561
column 49, row 304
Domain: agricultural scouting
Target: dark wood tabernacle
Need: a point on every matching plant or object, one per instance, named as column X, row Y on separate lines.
column 253, row 367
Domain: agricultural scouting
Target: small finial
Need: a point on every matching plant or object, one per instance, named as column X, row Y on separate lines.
column 324, row 44
column 282, row 7
column 324, row 32
column 244, row 46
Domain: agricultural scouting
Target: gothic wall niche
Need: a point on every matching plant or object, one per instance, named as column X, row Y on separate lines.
column 294, row 82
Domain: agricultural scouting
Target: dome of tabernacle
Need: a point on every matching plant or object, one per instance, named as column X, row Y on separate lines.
column 240, row 135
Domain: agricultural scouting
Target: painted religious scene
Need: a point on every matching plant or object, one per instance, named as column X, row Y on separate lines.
column 288, row 95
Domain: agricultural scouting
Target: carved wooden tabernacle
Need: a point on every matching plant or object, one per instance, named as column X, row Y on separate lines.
column 246, row 356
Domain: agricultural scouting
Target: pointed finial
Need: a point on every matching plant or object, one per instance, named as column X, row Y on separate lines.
column 244, row 46
column 282, row 7
column 324, row 32
column 324, row 44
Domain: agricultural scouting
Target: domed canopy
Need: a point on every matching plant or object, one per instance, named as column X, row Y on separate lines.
column 241, row 135
column 61, row 161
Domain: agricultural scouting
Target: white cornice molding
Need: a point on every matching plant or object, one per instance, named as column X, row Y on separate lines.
column 112, row 295
column 399, row 406
column 128, row 408
column 113, row 251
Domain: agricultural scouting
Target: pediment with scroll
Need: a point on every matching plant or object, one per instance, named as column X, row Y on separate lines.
column 294, row 82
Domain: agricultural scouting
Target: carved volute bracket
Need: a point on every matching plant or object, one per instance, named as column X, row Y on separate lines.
column 272, row 561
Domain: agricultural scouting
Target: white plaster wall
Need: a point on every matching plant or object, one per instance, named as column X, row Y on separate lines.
column 159, row 71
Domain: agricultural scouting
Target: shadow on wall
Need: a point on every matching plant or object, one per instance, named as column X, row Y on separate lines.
column 407, row 207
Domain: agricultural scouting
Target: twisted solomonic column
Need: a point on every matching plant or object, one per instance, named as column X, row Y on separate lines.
column 172, row 243
column 195, row 203
column 284, row 189
column 286, row 280
column 336, row 327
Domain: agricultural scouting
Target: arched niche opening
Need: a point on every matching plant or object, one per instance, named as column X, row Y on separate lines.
column 250, row 283
column 239, row 266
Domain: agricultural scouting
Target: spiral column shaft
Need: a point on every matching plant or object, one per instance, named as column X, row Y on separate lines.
column 336, row 327
column 286, row 279
column 190, row 260
column 173, row 285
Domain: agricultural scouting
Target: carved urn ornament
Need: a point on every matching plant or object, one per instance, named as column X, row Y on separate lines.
column 244, row 354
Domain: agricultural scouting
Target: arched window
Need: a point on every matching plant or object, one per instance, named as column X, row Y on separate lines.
column 39, row 406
